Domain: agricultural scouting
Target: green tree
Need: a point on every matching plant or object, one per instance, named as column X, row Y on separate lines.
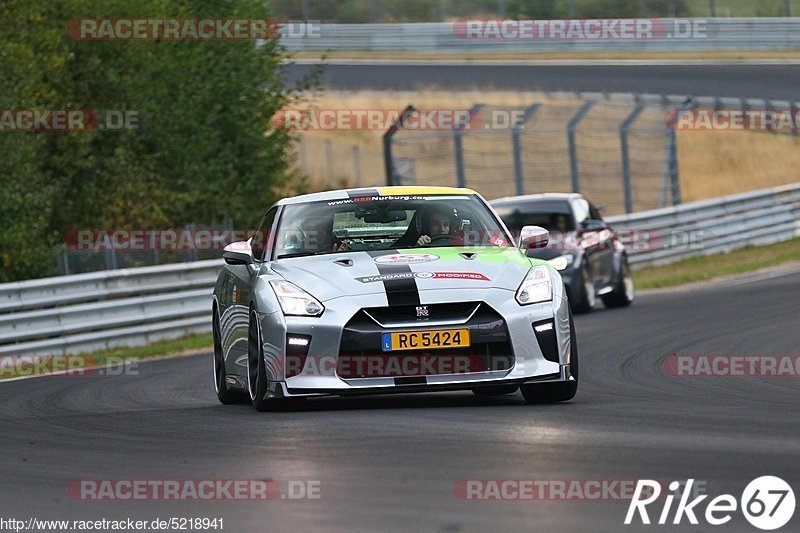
column 204, row 151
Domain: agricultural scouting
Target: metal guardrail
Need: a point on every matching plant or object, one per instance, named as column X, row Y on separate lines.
column 90, row 312
column 101, row 310
column 450, row 38
column 664, row 236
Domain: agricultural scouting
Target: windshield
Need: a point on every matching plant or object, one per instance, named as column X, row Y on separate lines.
column 552, row 216
column 386, row 223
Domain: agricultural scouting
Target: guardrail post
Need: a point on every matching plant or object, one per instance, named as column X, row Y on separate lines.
column 793, row 112
column 519, row 176
column 388, row 160
column 712, row 8
column 458, row 146
column 573, row 149
column 626, row 165
column 65, row 261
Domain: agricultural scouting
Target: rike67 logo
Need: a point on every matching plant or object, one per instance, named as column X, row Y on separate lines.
column 767, row 503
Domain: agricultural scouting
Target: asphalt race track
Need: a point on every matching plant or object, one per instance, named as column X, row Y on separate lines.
column 740, row 80
column 391, row 463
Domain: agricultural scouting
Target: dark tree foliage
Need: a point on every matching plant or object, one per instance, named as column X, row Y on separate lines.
column 204, row 151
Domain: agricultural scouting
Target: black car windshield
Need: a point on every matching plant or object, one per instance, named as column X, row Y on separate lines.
column 555, row 216
column 386, row 223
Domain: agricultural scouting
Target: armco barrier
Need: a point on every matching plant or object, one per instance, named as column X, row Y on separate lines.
column 451, row 38
column 713, row 226
column 90, row 312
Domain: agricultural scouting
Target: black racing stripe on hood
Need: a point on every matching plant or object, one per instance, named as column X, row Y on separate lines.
column 398, row 291
column 361, row 193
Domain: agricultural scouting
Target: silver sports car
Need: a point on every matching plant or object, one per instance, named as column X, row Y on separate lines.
column 390, row 290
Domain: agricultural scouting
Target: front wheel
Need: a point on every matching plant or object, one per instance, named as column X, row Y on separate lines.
column 584, row 295
column 622, row 296
column 225, row 395
column 256, row 369
column 561, row 391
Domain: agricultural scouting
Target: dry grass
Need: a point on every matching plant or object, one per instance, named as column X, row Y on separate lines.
column 712, row 163
column 718, row 163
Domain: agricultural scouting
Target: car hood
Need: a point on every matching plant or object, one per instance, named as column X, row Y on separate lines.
column 360, row 273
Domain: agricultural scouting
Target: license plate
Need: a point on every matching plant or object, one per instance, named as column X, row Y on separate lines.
column 421, row 340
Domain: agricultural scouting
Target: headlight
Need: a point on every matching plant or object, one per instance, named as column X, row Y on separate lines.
column 536, row 287
column 295, row 301
column 562, row 262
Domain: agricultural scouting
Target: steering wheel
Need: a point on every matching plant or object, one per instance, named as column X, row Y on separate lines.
column 441, row 240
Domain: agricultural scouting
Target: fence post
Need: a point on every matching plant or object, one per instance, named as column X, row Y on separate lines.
column 712, row 8
column 458, row 145
column 65, row 262
column 388, row 159
column 519, row 176
column 357, row 164
column 328, row 160
column 573, row 149
column 626, row 164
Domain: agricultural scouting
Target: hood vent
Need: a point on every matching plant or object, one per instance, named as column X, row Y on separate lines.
column 344, row 262
column 469, row 256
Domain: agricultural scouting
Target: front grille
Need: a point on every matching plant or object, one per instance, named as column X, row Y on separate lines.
column 361, row 355
column 404, row 314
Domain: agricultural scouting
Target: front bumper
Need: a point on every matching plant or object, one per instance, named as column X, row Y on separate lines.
column 320, row 371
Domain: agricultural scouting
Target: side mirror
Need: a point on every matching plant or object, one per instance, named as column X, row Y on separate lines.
column 533, row 237
column 238, row 253
column 591, row 224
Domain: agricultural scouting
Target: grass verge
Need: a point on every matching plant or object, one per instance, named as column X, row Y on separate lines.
column 113, row 362
column 714, row 266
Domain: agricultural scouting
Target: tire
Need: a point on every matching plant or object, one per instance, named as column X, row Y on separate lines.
column 256, row 368
column 585, row 298
column 563, row 391
column 497, row 390
column 225, row 395
column 623, row 293
column 257, row 385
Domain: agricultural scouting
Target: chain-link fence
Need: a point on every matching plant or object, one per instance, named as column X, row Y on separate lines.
column 621, row 154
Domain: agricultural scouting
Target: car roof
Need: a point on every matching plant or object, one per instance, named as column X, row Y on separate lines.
column 345, row 194
column 535, row 198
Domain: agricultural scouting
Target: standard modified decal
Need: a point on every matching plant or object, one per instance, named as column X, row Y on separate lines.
column 474, row 276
